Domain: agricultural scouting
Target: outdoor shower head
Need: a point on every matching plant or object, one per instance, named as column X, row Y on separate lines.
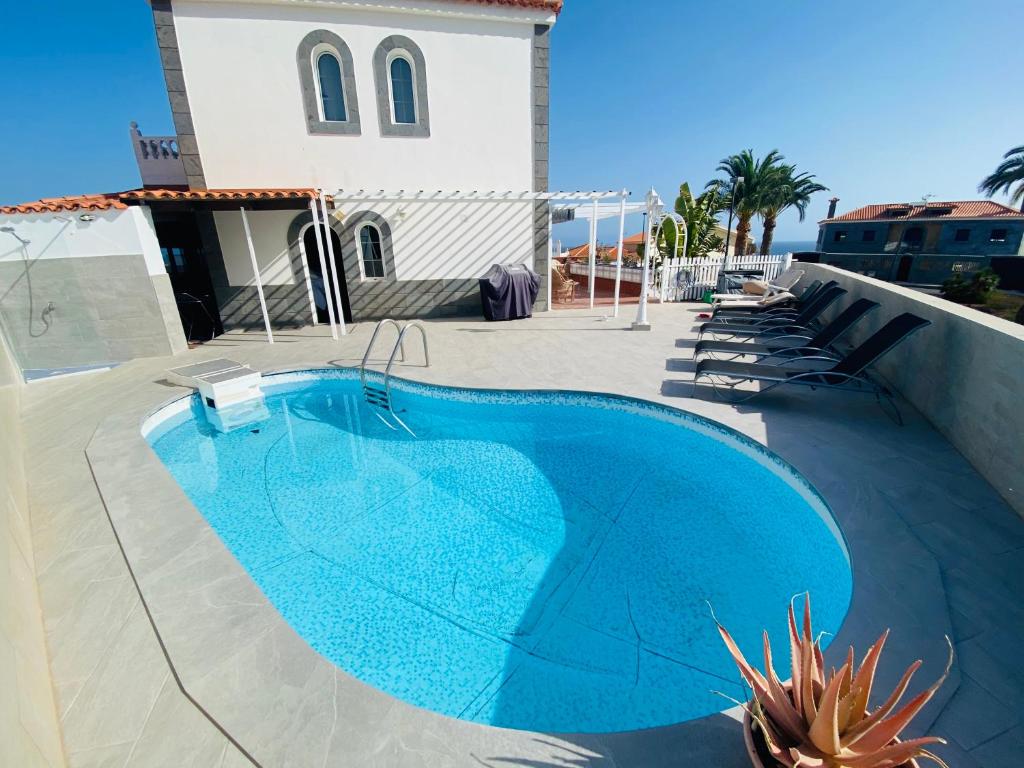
column 12, row 233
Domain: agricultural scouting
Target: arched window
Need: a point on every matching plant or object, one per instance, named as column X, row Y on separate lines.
column 327, row 84
column 400, row 72
column 403, row 98
column 332, row 93
column 371, row 255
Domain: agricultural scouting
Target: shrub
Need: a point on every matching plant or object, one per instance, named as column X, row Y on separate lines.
column 975, row 291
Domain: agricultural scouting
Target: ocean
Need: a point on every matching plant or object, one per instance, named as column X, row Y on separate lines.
column 792, row 246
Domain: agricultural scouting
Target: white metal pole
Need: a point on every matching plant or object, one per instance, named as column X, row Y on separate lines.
column 323, row 267
column 332, row 263
column 256, row 274
column 593, row 251
column 641, row 324
column 551, row 248
column 618, row 261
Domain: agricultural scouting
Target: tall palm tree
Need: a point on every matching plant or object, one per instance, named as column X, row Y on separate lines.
column 758, row 177
column 789, row 189
column 1006, row 174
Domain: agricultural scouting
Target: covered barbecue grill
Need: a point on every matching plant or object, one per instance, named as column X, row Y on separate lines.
column 507, row 291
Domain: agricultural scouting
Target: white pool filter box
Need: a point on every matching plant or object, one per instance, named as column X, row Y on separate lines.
column 221, row 383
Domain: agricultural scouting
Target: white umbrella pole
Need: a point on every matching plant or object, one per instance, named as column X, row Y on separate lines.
column 323, row 267
column 256, row 274
column 593, row 251
column 618, row 262
column 332, row 263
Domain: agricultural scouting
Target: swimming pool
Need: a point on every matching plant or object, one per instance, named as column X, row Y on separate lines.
column 533, row 560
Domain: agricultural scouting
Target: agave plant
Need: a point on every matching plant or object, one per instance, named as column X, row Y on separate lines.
column 823, row 721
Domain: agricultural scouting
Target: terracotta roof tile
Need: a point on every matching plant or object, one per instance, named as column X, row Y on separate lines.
column 540, row 5
column 69, row 203
column 121, row 199
column 960, row 209
column 218, row 194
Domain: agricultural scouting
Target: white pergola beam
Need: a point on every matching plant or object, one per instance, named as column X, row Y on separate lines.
column 474, row 196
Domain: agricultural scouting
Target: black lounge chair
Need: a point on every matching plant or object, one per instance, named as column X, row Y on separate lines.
column 793, row 344
column 847, row 373
column 814, row 289
column 756, row 325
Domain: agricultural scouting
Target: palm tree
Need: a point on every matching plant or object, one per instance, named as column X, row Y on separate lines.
column 788, row 190
column 1006, row 174
column 758, row 177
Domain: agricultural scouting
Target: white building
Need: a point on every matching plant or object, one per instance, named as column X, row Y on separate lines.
column 275, row 100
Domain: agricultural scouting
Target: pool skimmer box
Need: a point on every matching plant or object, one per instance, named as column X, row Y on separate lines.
column 230, row 391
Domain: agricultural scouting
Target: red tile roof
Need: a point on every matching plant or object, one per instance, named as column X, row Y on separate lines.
column 961, row 209
column 121, row 199
column 540, row 5
column 219, row 194
column 69, row 203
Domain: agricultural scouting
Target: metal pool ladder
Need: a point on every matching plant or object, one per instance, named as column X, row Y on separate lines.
column 379, row 395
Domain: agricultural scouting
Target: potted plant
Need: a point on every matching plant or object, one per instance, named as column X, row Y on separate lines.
column 819, row 720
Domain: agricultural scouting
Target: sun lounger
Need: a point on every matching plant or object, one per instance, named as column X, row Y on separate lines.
column 755, row 325
column 846, row 373
column 760, row 307
column 781, row 284
column 792, row 344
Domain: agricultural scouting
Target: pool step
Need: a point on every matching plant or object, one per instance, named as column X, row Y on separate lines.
column 377, row 396
column 380, row 396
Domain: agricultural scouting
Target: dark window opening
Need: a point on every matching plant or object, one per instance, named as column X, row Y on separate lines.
column 371, row 252
column 402, row 93
column 838, row 236
column 962, row 235
column 997, row 236
column 868, row 236
column 332, row 96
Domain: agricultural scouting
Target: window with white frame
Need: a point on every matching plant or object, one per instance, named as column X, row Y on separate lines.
column 327, row 84
column 400, row 71
column 330, row 90
column 403, row 93
column 371, row 253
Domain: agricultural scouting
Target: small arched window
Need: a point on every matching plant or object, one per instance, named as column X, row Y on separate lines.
column 403, row 98
column 327, row 84
column 332, row 93
column 371, row 255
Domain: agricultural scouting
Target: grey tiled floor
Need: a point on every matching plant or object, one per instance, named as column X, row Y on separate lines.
column 905, row 488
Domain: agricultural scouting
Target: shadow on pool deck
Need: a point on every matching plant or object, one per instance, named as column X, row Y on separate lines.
column 913, row 532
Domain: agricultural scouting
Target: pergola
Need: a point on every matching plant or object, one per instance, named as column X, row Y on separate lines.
column 562, row 206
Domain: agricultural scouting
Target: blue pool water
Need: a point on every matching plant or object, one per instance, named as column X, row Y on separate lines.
column 541, row 561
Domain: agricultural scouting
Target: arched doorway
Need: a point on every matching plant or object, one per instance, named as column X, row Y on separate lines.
column 322, row 288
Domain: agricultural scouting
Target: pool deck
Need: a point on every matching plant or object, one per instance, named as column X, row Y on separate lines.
column 203, row 672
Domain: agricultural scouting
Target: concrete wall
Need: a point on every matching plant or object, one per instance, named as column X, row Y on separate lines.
column 245, row 96
column 965, row 373
column 111, row 298
column 29, row 734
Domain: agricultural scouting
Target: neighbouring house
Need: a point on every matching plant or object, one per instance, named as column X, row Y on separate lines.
column 960, row 228
column 272, row 103
column 922, row 243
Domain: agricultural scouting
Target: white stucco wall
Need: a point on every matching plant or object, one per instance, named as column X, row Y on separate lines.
column 239, row 62
column 112, row 232
column 431, row 241
column 269, row 239
column 453, row 240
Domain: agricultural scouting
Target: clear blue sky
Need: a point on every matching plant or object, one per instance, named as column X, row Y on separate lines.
column 883, row 101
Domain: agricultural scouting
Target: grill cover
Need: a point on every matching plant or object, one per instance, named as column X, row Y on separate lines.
column 507, row 291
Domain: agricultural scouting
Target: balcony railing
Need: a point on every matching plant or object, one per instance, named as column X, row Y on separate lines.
column 159, row 159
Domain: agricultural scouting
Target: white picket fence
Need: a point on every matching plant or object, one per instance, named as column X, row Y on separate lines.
column 685, row 279
column 688, row 279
